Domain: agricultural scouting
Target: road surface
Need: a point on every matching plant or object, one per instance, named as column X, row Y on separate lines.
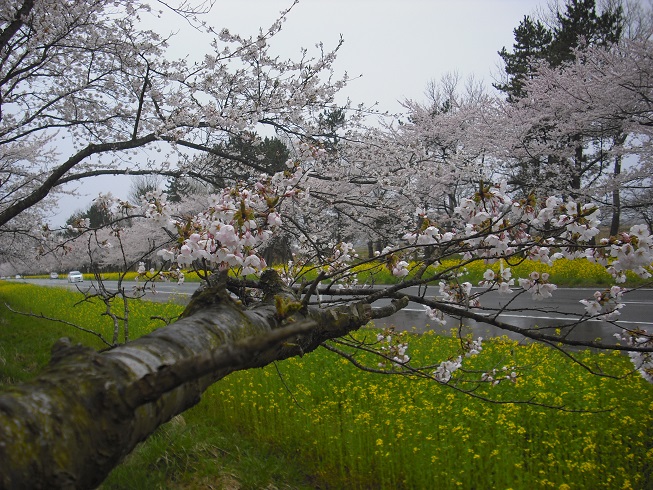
column 637, row 313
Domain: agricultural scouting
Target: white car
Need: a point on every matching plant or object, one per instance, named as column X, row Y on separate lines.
column 75, row 276
column 54, row 275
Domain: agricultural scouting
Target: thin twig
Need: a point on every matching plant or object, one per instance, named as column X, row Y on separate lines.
column 283, row 381
column 58, row 320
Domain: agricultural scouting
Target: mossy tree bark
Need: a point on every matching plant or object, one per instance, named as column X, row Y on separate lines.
column 79, row 418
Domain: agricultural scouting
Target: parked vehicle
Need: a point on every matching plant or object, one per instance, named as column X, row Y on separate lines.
column 75, row 276
column 54, row 275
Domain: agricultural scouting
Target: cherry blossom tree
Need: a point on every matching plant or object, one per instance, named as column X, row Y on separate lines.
column 452, row 141
column 217, row 334
column 603, row 97
column 89, row 409
column 120, row 93
column 579, row 148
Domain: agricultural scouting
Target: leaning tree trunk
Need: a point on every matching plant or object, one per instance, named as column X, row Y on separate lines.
column 76, row 421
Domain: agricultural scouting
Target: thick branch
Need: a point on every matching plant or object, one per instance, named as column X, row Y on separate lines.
column 71, row 425
column 53, row 179
column 21, row 14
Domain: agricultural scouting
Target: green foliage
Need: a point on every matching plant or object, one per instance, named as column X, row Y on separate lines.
column 97, row 215
column 178, row 455
column 25, row 342
column 190, row 452
column 532, row 39
column 580, row 23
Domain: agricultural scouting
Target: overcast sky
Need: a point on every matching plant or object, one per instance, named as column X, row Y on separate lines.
column 396, row 46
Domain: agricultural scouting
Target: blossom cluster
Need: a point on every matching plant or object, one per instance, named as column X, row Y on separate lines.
column 502, row 282
column 632, row 250
column 114, row 207
column 491, row 226
column 497, row 228
column 237, row 223
column 342, row 255
column 394, row 262
column 605, row 305
column 643, row 361
column 444, row 372
column 538, row 285
column 458, row 293
column 429, row 233
column 495, row 377
column 392, row 347
column 153, row 275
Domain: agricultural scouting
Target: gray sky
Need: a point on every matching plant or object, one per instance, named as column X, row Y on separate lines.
column 396, row 45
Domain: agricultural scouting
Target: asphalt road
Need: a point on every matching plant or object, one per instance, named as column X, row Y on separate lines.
column 552, row 312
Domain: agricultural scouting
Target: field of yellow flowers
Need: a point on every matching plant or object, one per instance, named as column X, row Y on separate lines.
column 362, row 430
column 351, row 429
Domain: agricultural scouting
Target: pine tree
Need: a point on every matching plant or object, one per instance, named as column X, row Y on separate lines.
column 579, row 24
column 532, row 42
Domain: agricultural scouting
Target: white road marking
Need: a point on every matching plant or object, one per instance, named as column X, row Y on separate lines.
column 562, row 318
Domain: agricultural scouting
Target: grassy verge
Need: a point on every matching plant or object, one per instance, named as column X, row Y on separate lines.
column 316, row 422
column 25, row 342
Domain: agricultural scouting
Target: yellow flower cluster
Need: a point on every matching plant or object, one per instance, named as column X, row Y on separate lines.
column 393, row 432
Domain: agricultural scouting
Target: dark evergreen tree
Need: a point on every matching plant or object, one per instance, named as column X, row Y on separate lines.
column 97, row 216
column 241, row 158
column 581, row 25
column 532, row 42
column 269, row 154
column 578, row 24
column 329, row 122
column 245, row 157
column 178, row 187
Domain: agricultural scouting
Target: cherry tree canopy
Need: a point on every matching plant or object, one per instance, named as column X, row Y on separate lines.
column 83, row 73
column 85, row 92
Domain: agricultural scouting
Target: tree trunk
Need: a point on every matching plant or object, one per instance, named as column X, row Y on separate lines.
column 77, row 420
column 616, row 192
column 616, row 200
column 577, row 170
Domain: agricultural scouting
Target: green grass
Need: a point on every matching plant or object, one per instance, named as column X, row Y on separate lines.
column 25, row 342
column 191, row 453
column 325, row 424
